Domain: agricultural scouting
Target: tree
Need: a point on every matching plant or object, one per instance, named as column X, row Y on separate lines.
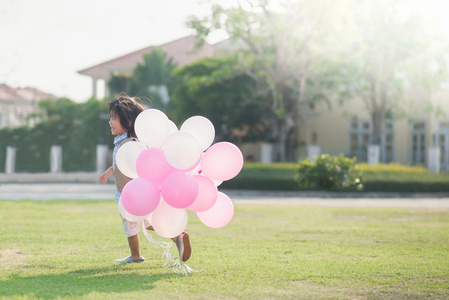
column 395, row 48
column 285, row 45
column 150, row 80
column 214, row 88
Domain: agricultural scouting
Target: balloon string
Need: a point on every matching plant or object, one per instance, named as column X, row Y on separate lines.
column 171, row 262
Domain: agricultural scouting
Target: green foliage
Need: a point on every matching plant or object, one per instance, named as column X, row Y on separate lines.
column 77, row 127
column 391, row 168
column 393, row 178
column 215, row 88
column 155, row 72
column 330, row 173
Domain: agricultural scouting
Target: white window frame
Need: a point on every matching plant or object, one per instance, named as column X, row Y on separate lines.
column 418, row 149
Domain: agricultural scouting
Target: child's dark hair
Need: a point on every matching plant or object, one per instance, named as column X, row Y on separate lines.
column 127, row 109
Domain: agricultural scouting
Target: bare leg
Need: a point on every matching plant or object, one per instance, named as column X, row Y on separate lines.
column 133, row 243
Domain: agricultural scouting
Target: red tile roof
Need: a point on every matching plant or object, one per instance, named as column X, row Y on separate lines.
column 25, row 94
column 180, row 50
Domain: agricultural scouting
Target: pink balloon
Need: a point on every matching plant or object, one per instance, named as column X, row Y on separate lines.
column 179, row 189
column 222, row 161
column 152, row 165
column 140, row 197
column 130, row 217
column 207, row 194
column 218, row 215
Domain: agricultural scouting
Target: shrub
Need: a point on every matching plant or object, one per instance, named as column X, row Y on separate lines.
column 330, row 173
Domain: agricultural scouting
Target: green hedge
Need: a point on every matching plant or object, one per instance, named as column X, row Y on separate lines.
column 77, row 127
column 378, row 178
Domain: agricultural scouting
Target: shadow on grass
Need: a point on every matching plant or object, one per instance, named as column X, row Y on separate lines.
column 116, row 279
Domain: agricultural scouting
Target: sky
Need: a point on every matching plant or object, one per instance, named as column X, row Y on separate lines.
column 43, row 44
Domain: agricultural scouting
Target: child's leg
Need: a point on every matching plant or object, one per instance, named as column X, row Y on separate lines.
column 133, row 243
column 182, row 243
column 131, row 230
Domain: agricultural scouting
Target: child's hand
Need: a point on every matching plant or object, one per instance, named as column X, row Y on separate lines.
column 104, row 177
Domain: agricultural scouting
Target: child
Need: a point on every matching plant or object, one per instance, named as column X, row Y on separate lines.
column 123, row 111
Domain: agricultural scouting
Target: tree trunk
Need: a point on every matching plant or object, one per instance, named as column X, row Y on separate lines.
column 377, row 117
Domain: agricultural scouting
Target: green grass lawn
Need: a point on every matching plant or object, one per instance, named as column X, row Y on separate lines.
column 65, row 249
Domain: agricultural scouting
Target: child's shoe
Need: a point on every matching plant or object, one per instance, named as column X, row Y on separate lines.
column 183, row 243
column 129, row 259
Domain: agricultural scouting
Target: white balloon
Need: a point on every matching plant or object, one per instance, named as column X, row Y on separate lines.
column 127, row 156
column 182, row 150
column 217, row 182
column 202, row 128
column 152, row 127
column 130, row 217
column 167, row 221
column 173, row 127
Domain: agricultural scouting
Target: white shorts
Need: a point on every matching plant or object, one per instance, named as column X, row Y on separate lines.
column 132, row 228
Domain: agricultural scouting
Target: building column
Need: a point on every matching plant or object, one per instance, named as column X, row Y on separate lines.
column 94, row 86
column 107, row 92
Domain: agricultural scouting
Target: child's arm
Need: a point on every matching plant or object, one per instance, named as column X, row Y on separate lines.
column 104, row 177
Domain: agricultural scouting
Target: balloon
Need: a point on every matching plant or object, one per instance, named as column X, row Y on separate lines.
column 220, row 214
column 194, row 167
column 217, row 182
column 222, row 161
column 182, row 150
column 130, row 217
column 173, row 127
column 152, row 165
column 140, row 197
column 126, row 158
column 152, row 127
column 167, row 221
column 201, row 128
column 207, row 194
column 179, row 189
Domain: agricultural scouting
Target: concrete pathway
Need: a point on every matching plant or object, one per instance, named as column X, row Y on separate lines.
column 46, row 191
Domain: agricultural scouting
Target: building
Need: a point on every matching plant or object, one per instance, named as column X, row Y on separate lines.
column 182, row 51
column 411, row 139
column 18, row 104
column 345, row 128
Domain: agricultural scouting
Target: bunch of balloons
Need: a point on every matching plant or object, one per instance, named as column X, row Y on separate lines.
column 174, row 170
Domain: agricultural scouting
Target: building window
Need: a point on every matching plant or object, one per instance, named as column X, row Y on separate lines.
column 419, row 143
column 360, row 137
column 387, row 142
column 443, row 142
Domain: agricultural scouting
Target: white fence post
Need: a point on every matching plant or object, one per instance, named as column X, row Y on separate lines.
column 312, row 151
column 56, row 159
column 102, row 155
column 10, row 166
column 266, row 153
column 433, row 159
column 373, row 154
